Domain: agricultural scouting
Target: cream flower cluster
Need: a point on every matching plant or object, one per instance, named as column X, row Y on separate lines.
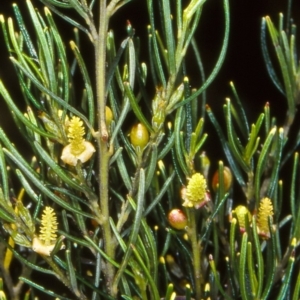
column 79, row 149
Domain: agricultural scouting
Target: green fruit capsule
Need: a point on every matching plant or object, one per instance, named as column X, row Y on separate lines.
column 139, row 136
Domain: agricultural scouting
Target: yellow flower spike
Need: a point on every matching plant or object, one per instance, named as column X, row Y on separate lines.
column 75, row 135
column 195, row 194
column 265, row 211
column 45, row 243
column 48, row 227
column 79, row 148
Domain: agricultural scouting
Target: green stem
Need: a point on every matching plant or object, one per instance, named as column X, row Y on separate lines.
column 104, row 151
column 196, row 249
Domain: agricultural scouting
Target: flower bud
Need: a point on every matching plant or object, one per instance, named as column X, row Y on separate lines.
column 139, row 136
column 177, row 219
column 265, row 211
column 227, row 179
column 242, row 213
column 108, row 116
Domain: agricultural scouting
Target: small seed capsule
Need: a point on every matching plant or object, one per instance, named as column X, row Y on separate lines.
column 227, row 179
column 177, row 219
column 139, row 136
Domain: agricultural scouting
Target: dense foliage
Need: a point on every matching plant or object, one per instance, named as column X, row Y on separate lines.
column 116, row 198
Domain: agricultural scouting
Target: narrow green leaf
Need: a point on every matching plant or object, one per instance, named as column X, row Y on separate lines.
column 242, row 268
column 4, row 175
column 259, row 259
column 71, row 273
column 191, row 28
column 136, row 226
column 59, row 3
column 287, row 279
column 116, row 57
column 241, row 116
column 250, row 265
column 121, row 242
column 293, row 184
column 232, row 280
column 220, row 60
column 151, row 168
column 167, row 147
column 210, row 221
column 65, row 17
column 26, row 185
column 61, row 54
column 252, row 144
column 296, row 293
column 132, row 63
column 41, row 186
column 262, row 162
column 53, row 96
column 284, row 67
column 5, row 216
column 232, row 138
column 162, row 191
column 271, row 269
column 235, row 168
column 20, row 115
column 178, row 141
column 24, row 32
column 50, row 72
column 277, row 163
column 152, row 284
column 266, row 56
column 80, row 8
column 151, row 247
column 5, row 33
column 42, row 289
column 154, row 56
column 169, row 36
column 135, row 107
column 26, row 63
column 123, row 169
column 217, row 279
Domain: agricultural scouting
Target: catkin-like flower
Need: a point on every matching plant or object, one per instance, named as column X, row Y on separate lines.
column 75, row 135
column 79, row 148
column 45, row 243
column 265, row 211
column 195, row 193
column 48, row 227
